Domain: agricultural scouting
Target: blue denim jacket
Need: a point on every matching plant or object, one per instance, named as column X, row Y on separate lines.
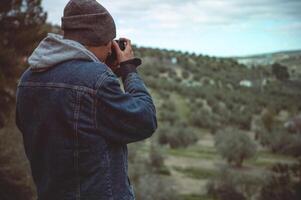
column 76, row 123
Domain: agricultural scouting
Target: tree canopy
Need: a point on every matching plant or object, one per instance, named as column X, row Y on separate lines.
column 21, row 23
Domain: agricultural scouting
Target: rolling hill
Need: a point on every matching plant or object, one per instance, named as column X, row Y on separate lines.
column 291, row 59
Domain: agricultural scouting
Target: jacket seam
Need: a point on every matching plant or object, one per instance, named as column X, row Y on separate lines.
column 102, row 78
column 76, row 145
column 58, row 85
column 95, row 102
column 109, row 179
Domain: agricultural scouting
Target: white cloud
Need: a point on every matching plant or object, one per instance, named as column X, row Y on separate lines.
column 202, row 25
column 180, row 14
column 173, row 14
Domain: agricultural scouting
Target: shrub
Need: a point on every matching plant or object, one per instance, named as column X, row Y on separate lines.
column 162, row 133
column 263, row 136
column 268, row 118
column 148, row 70
column 185, row 74
column 202, row 119
column 168, row 116
column 293, row 148
column 172, row 73
column 133, row 153
column 176, row 137
column 232, row 184
column 241, row 119
column 280, row 71
column 285, row 183
column 151, row 82
column 147, row 184
column 279, row 140
column 164, row 94
column 150, row 187
column 234, row 146
column 156, row 157
column 224, row 192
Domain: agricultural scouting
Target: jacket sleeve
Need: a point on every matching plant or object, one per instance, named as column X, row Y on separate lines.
column 125, row 117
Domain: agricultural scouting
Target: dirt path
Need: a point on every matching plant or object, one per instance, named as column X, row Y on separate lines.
column 180, row 161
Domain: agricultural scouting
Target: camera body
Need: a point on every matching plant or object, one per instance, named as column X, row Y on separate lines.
column 113, row 57
column 121, row 44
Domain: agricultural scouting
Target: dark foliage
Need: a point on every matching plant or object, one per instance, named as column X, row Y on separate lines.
column 284, row 184
column 20, row 23
column 176, row 136
column 225, row 192
column 280, row 71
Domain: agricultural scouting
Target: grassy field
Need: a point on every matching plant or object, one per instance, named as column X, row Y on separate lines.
column 191, row 168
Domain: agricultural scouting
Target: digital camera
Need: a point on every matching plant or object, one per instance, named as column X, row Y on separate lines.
column 113, row 57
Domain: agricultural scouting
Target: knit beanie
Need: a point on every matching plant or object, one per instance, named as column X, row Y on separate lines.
column 88, row 22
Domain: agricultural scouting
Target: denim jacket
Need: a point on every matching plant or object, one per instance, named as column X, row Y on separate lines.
column 76, row 123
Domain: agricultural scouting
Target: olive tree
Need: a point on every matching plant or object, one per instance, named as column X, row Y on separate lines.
column 234, row 145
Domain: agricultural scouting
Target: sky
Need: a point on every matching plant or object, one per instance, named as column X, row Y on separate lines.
column 210, row 27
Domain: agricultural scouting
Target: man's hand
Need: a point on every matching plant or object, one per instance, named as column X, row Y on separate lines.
column 125, row 55
column 114, row 66
column 125, row 59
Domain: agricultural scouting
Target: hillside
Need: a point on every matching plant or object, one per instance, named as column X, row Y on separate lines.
column 228, row 128
column 291, row 59
column 232, row 92
column 197, row 97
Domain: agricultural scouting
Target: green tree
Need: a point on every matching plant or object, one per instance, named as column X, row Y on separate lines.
column 21, row 23
column 232, row 184
column 234, row 146
column 280, row 71
column 177, row 136
column 285, row 183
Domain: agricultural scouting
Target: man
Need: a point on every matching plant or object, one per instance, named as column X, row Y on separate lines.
column 75, row 119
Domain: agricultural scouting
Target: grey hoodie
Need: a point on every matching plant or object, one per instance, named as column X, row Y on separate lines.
column 54, row 49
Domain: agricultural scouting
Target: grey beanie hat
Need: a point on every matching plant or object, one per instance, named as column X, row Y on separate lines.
column 88, row 22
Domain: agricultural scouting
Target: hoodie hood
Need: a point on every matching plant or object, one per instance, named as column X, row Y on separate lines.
column 54, row 49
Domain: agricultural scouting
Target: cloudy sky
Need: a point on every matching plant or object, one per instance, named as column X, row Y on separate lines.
column 213, row 27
